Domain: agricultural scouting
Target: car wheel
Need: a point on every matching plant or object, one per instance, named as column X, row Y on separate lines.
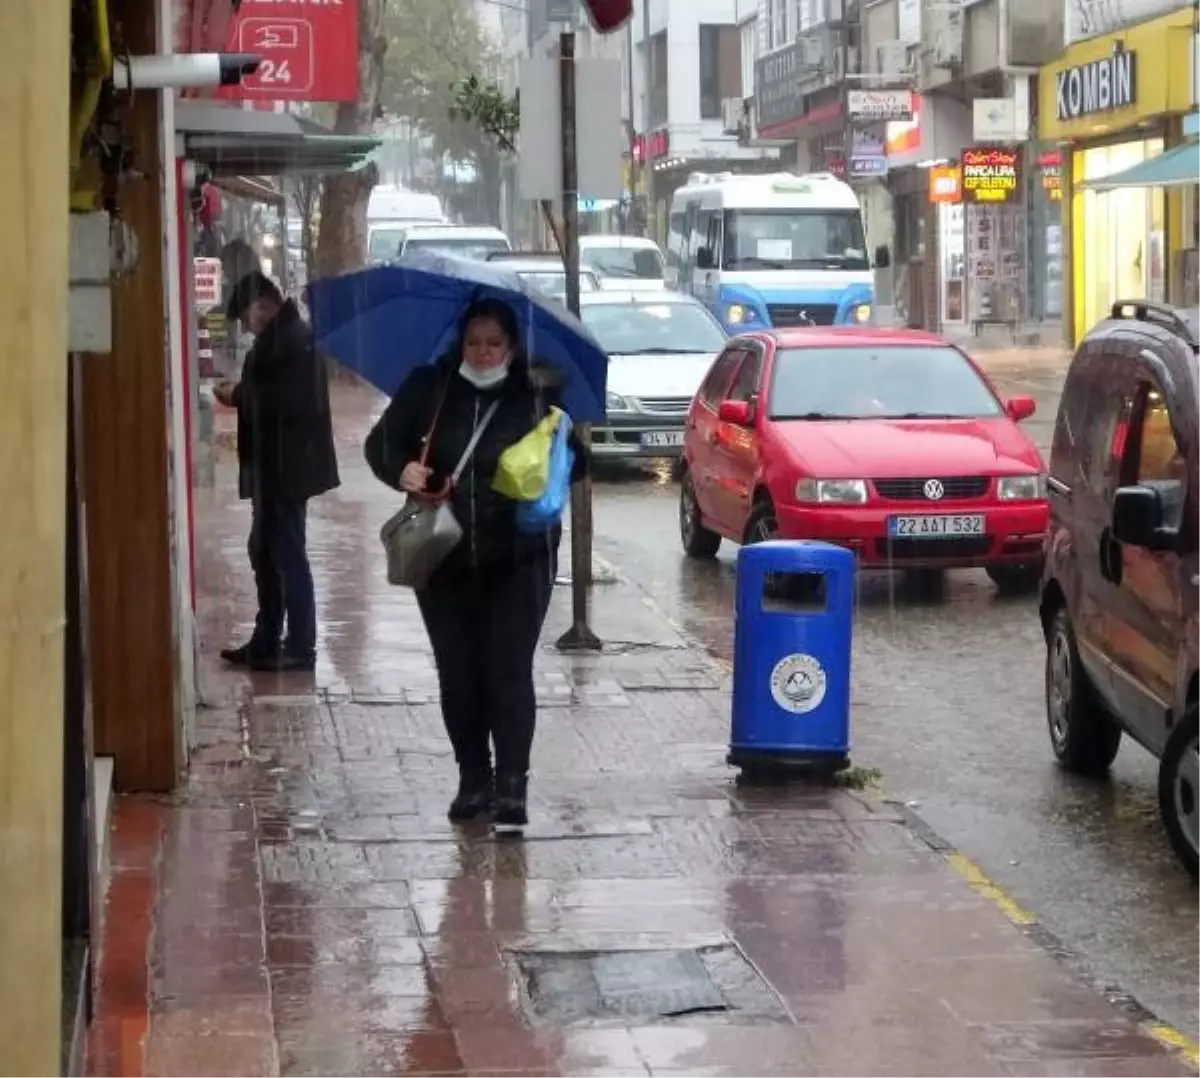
column 1179, row 788
column 1084, row 736
column 762, row 526
column 698, row 541
column 1015, row 579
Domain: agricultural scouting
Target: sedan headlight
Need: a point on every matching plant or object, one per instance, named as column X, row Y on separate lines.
column 614, row 402
column 1020, row 488
column 832, row 491
column 861, row 314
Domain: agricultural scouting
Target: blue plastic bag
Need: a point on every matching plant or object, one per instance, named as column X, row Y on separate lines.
column 544, row 512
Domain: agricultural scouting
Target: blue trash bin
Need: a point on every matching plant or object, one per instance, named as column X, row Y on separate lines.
column 791, row 672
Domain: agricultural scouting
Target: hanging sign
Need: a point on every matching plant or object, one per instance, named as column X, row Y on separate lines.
column 990, row 175
column 945, row 185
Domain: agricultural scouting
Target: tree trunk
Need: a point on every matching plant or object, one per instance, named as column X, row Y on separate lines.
column 342, row 243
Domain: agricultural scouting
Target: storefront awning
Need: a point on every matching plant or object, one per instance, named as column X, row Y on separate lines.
column 1174, row 168
column 242, row 142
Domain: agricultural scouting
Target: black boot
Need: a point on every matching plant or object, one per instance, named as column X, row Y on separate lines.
column 476, row 795
column 511, row 814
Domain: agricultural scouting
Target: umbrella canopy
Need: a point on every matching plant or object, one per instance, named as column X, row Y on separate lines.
column 1174, row 168
column 383, row 322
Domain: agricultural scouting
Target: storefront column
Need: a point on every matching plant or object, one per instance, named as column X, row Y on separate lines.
column 35, row 40
column 125, row 460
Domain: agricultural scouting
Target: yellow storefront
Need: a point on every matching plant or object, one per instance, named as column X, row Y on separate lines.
column 1112, row 102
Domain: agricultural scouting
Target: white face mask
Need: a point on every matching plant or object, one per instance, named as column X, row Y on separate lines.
column 486, row 379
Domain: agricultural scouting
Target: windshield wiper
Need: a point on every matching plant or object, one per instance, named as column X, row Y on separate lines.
column 663, row 352
column 759, row 263
column 922, row 415
column 812, row 417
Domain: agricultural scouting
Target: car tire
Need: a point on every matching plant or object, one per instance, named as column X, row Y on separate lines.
column 698, row 541
column 762, row 525
column 1084, row 736
column 1178, row 789
column 1020, row 579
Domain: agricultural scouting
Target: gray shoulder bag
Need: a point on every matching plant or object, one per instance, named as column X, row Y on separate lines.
column 421, row 535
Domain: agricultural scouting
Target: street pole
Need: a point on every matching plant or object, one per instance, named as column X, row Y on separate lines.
column 647, row 168
column 628, row 220
column 580, row 636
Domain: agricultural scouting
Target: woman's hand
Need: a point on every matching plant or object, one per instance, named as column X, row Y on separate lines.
column 414, row 477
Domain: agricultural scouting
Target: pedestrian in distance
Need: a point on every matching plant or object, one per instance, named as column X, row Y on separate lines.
column 485, row 604
column 285, row 458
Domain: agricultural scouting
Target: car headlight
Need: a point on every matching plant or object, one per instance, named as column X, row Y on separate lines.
column 737, row 313
column 614, row 402
column 1020, row 488
column 861, row 314
column 832, row 491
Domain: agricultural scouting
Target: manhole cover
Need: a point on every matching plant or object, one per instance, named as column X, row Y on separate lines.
column 643, row 986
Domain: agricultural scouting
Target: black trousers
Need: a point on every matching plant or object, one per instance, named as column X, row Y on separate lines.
column 484, row 626
column 278, row 551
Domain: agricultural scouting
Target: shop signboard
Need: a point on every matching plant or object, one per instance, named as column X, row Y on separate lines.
column 1097, row 86
column 206, row 287
column 990, row 174
column 652, row 146
column 999, row 119
column 777, row 86
column 309, row 52
column 1050, row 167
column 868, row 155
column 879, row 106
column 1094, row 18
column 945, row 185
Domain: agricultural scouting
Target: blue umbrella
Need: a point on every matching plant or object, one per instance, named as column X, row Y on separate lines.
column 383, row 322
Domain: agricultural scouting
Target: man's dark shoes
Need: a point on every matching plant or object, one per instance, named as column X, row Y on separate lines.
column 511, row 814
column 248, row 654
column 476, row 795
column 283, row 663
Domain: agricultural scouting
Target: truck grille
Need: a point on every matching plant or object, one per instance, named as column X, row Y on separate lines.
column 801, row 314
column 665, row 405
column 957, row 487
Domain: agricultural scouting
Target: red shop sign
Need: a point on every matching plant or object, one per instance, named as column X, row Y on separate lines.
column 652, row 146
column 309, row 50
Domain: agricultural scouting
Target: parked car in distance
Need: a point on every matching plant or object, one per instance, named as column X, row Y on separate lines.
column 462, row 241
column 545, row 270
column 1119, row 592
column 891, row 443
column 659, row 347
column 624, row 263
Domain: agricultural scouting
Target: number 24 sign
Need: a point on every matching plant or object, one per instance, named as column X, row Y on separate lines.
column 286, row 48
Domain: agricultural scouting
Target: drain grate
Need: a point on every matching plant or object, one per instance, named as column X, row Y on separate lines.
column 564, row 987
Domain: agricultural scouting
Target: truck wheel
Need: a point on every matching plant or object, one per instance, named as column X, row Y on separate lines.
column 1178, row 782
column 698, row 541
column 1084, row 736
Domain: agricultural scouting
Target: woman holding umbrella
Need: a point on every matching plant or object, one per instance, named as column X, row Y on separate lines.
column 485, row 604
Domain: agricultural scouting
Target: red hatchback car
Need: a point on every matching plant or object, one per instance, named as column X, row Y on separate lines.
column 890, row 442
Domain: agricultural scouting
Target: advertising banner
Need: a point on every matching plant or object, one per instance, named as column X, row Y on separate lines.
column 990, row 175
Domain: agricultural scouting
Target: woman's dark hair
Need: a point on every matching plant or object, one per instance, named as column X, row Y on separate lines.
column 499, row 312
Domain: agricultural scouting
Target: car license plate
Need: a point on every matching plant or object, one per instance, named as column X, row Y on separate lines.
column 661, row 439
column 935, row 527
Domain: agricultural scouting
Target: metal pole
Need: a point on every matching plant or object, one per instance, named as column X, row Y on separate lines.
column 580, row 636
column 647, row 168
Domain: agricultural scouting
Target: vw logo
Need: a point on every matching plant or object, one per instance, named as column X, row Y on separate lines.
column 934, row 490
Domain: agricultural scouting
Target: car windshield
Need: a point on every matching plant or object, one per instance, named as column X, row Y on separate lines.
column 642, row 263
column 630, row 329
column 878, row 382
column 385, row 243
column 555, row 281
column 792, row 239
column 476, row 249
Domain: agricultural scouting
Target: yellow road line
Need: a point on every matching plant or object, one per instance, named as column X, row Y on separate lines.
column 1172, row 1038
column 983, row 884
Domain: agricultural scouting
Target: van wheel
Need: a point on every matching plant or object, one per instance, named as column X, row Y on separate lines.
column 698, row 541
column 762, row 525
column 1083, row 734
column 1179, row 788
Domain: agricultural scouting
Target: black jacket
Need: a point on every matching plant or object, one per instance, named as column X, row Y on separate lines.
column 488, row 518
column 285, row 430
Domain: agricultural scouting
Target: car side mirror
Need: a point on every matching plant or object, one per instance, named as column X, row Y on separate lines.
column 883, row 256
column 704, row 258
column 1137, row 519
column 1018, row 408
column 736, row 413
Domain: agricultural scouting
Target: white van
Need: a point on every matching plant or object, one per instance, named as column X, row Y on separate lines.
column 772, row 250
column 391, row 211
column 628, row 263
column 463, row 241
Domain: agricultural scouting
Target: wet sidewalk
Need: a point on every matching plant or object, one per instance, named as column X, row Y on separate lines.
column 303, row 907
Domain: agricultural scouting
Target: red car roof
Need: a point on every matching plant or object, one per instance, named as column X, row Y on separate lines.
column 833, row 336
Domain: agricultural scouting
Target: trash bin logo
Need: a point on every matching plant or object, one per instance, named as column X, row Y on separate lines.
column 798, row 683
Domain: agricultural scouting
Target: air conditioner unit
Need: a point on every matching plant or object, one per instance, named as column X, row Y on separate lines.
column 731, row 114
column 811, row 54
column 947, row 36
column 891, row 59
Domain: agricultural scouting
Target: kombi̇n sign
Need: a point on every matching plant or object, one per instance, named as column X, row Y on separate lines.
column 309, row 50
column 1098, row 86
column 990, row 175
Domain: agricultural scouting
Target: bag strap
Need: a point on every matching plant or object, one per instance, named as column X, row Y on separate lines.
column 478, row 433
column 423, row 459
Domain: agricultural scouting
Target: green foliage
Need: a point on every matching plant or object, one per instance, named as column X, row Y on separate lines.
column 489, row 110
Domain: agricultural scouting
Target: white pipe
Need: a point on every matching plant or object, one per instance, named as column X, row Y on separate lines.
column 182, row 71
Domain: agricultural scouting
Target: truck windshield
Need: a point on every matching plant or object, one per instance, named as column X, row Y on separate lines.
column 794, row 239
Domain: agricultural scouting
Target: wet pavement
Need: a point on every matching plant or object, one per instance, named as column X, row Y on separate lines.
column 948, row 704
column 303, row 907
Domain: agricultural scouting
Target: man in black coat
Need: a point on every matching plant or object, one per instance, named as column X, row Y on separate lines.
column 285, row 457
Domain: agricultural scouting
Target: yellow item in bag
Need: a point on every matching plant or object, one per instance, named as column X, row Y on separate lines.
column 524, row 468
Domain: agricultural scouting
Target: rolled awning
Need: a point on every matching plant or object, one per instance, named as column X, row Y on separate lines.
column 1177, row 167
